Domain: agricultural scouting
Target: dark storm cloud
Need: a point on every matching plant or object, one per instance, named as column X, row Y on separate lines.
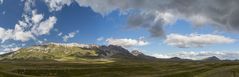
column 146, row 21
column 223, row 14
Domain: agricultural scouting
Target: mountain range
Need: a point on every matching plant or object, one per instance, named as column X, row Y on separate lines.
column 74, row 52
column 81, row 52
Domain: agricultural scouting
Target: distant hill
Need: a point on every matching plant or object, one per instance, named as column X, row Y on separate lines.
column 213, row 58
column 175, row 58
column 142, row 55
column 73, row 52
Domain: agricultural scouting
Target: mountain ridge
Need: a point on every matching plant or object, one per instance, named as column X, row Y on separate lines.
column 83, row 52
column 71, row 52
column 212, row 58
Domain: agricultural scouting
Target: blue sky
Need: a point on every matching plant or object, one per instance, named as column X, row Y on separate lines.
column 133, row 27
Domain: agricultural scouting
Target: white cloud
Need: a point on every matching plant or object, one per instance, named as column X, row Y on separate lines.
column 199, row 20
column 56, row 30
column 11, row 49
column 1, row 2
column 198, row 55
column 23, row 44
column 19, row 34
column 28, row 5
column 45, row 39
column 5, row 34
column 126, row 42
column 2, row 53
column 196, row 40
column 166, row 17
column 45, row 26
column 100, row 38
column 39, row 42
column 73, row 45
column 153, row 14
column 30, row 27
column 15, row 34
column 36, row 18
column 161, row 56
column 8, row 45
column 59, row 34
column 56, row 5
column 70, row 35
column 4, row 12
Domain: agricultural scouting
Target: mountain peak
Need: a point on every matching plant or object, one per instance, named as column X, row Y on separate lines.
column 212, row 58
column 70, row 52
column 113, row 51
column 175, row 58
column 136, row 52
column 142, row 55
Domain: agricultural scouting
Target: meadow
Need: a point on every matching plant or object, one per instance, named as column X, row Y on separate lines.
column 161, row 68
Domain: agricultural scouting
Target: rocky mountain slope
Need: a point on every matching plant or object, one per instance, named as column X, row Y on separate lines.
column 73, row 52
column 142, row 55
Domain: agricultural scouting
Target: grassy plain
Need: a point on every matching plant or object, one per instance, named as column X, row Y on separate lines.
column 120, row 69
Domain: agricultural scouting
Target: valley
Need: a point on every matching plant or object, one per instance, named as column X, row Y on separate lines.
column 75, row 60
column 120, row 69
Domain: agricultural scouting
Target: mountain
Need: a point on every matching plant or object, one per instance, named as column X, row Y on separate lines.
column 113, row 51
column 72, row 52
column 142, row 55
column 213, row 58
column 51, row 52
column 175, row 58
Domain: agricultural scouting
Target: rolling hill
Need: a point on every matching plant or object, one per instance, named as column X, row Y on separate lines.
column 73, row 52
column 80, row 60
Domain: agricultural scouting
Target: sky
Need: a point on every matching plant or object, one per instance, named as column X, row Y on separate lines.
column 161, row 28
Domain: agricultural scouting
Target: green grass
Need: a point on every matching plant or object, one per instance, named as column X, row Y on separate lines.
column 60, row 61
column 51, row 52
column 119, row 69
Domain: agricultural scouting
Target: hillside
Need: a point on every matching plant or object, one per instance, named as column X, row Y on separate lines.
column 71, row 52
column 142, row 55
column 213, row 58
column 80, row 60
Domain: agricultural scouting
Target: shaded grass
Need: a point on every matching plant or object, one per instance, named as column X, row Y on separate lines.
column 115, row 69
